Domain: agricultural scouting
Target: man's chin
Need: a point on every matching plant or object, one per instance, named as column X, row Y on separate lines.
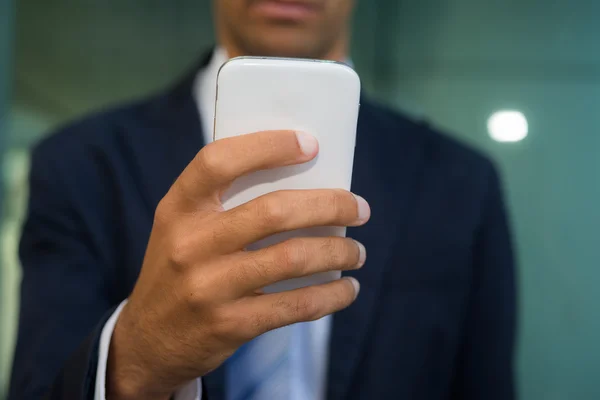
column 285, row 46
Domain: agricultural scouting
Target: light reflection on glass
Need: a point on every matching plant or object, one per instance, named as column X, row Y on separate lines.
column 508, row 126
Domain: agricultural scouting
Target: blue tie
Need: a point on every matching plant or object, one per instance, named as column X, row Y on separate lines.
column 260, row 369
column 274, row 366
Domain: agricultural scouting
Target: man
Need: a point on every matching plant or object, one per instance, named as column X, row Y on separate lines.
column 125, row 205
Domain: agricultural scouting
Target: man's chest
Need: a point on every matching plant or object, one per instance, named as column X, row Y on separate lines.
column 414, row 286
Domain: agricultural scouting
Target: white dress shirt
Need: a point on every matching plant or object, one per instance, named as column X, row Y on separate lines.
column 204, row 93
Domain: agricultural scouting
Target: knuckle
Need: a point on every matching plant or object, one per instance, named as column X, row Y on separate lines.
column 293, row 254
column 162, row 213
column 271, row 210
column 209, row 161
column 334, row 203
column 181, row 253
column 196, row 296
column 341, row 205
column 307, row 307
column 302, row 307
column 335, row 254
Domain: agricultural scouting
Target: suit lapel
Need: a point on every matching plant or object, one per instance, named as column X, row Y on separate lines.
column 381, row 168
column 174, row 136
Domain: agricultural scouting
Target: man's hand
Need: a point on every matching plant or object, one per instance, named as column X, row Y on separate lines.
column 198, row 297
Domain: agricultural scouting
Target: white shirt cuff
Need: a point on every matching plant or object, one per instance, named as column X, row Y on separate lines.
column 191, row 391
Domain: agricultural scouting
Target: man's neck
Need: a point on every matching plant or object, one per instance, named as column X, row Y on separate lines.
column 338, row 53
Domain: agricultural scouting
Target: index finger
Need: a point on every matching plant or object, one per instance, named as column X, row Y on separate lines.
column 218, row 164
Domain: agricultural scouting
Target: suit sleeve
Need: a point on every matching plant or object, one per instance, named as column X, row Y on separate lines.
column 487, row 357
column 64, row 294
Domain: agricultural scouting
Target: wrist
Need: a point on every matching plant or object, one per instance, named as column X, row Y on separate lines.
column 127, row 374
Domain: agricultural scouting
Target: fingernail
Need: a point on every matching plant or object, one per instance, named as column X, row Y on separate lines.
column 308, row 143
column 364, row 211
column 356, row 285
column 362, row 257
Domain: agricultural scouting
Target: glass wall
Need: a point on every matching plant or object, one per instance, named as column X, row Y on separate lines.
column 459, row 64
column 7, row 286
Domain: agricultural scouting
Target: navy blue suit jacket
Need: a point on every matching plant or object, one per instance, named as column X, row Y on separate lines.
column 435, row 318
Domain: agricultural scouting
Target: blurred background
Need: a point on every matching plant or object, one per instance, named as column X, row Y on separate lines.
column 519, row 79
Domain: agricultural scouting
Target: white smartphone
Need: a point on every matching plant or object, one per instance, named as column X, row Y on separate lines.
column 318, row 97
